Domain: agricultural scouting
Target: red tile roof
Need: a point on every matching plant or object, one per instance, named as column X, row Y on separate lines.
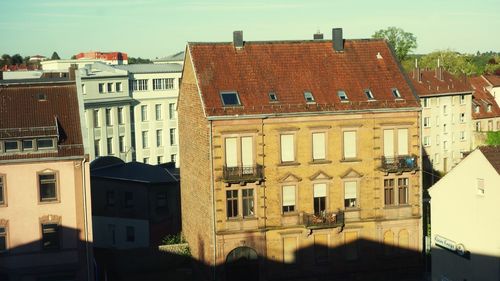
column 430, row 85
column 493, row 79
column 492, row 153
column 289, row 68
column 23, row 114
column 482, row 98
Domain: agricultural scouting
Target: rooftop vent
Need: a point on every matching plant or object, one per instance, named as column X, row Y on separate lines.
column 238, row 39
column 318, row 36
column 337, row 39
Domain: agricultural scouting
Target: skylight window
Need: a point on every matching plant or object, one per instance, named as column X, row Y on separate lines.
column 230, row 98
column 369, row 94
column 308, row 96
column 342, row 95
column 396, row 93
column 273, row 96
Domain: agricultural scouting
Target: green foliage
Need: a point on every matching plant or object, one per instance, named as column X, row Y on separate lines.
column 138, row 60
column 452, row 61
column 55, row 56
column 173, row 239
column 401, row 41
column 493, row 138
column 16, row 59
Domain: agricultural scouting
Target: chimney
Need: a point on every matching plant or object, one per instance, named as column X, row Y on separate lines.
column 439, row 71
column 238, row 39
column 71, row 71
column 417, row 73
column 337, row 40
column 318, row 36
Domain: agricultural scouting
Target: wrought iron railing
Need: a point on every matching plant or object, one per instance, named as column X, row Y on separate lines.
column 324, row 219
column 243, row 173
column 403, row 163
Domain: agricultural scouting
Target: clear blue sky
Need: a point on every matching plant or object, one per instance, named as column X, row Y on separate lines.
column 155, row 28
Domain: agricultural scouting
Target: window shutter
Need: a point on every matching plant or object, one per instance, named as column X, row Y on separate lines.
column 287, row 148
column 350, row 144
column 350, row 190
column 247, row 151
column 231, row 153
column 389, row 143
column 403, row 142
column 289, row 195
column 318, row 146
column 320, row 190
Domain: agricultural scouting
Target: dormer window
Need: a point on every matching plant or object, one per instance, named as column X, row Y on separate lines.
column 476, row 109
column 342, row 95
column 11, row 146
column 230, row 98
column 308, row 96
column 45, row 143
column 41, row 97
column 273, row 96
column 396, row 93
column 369, row 94
column 488, row 108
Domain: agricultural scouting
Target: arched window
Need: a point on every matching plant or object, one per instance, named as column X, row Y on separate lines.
column 242, row 264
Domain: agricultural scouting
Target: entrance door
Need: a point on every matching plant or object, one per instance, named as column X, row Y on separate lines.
column 242, row 264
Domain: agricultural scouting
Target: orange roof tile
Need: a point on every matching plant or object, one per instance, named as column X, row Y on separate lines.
column 483, row 98
column 430, row 85
column 494, row 80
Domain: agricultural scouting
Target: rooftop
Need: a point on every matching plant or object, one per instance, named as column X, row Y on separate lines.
column 492, row 153
column 431, row 85
column 494, row 80
column 483, row 99
column 151, row 68
column 172, row 58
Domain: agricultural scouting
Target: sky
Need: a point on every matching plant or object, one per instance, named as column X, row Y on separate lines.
column 158, row 28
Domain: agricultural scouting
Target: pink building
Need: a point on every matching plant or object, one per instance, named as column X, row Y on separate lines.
column 45, row 206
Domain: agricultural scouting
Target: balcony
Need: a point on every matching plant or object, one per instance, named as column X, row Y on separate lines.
column 324, row 220
column 399, row 164
column 243, row 174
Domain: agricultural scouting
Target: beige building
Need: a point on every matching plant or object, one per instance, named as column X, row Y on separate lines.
column 485, row 111
column 465, row 215
column 298, row 159
column 45, row 218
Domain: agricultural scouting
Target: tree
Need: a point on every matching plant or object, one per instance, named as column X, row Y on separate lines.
column 493, row 138
column 451, row 61
column 401, row 41
column 55, row 56
column 16, row 59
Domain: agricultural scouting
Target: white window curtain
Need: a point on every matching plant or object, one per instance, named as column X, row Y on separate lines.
column 320, row 190
column 389, row 143
column 287, row 148
column 350, row 190
column 318, row 146
column 350, row 144
column 403, row 142
column 247, row 151
column 289, row 195
column 231, row 153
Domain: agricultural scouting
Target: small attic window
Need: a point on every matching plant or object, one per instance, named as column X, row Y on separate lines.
column 396, row 93
column 230, row 98
column 342, row 95
column 476, row 109
column 488, row 108
column 369, row 94
column 41, row 97
column 308, row 96
column 273, row 96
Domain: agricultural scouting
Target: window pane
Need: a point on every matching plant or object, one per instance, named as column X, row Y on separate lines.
column 319, row 146
column 230, row 99
column 389, row 143
column 47, row 187
column 11, row 145
column 349, row 145
column 2, row 198
column 27, row 144
column 320, row 190
column 232, row 203
column 45, row 143
column 389, row 191
column 247, row 152
column 403, row 142
column 50, row 239
column 248, row 202
column 231, row 153
column 288, row 195
column 287, row 148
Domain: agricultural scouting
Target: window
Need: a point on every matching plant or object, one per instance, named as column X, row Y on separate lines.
column 110, row 87
column 108, row 117
column 350, row 194
column 27, row 144
column 173, row 157
column 120, row 115
column 130, row 232
column 101, row 88
column 171, row 111
column 110, row 198
column 369, row 94
column 110, row 145
column 490, row 125
column 319, row 146
column 308, row 96
column 476, row 109
column 395, row 144
column 478, row 126
column 396, row 93
column 145, row 160
column 3, row 238
column 118, row 86
column 140, row 85
column 445, row 145
column 462, row 135
column 480, row 186
column 159, row 159
column 437, row 139
column 288, row 198
column 445, row 109
column 425, row 102
column 287, row 145
column 436, row 158
column 427, row 122
column 144, row 113
column 96, row 118
column 50, row 236
column 403, row 191
column 45, row 143
column 128, row 199
column 462, row 99
column 11, row 146
column 488, row 108
column 427, row 140
column 230, row 98
column 445, row 128
column 248, row 202
column 389, row 192
column 84, row 89
column 319, row 194
column 462, row 117
column 2, row 191
column 163, row 83
column 158, row 112
column 349, row 144
column 121, row 143
column 342, row 95
column 273, row 96
column 97, row 146
column 48, row 187
column 232, row 203
column 172, row 137
column 158, row 138
column 145, row 141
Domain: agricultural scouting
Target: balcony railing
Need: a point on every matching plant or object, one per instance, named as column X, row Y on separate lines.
column 243, row 173
column 398, row 164
column 324, row 219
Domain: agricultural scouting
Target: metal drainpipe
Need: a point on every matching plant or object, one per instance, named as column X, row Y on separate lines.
column 212, row 187
column 85, row 224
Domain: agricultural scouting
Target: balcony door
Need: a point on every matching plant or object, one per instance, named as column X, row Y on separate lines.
column 239, row 154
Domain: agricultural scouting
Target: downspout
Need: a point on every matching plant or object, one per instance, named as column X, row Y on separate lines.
column 212, row 188
column 85, row 219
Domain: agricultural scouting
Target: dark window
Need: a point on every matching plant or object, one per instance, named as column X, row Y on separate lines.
column 130, row 234
column 369, row 94
column 2, row 191
column 27, row 144
column 319, row 205
column 232, row 203
column 11, row 145
column 3, row 239
column 44, row 143
column 389, row 191
column 230, row 98
column 248, row 202
column 110, row 198
column 50, row 236
column 403, row 190
column 48, row 187
column 396, row 93
column 273, row 96
column 342, row 95
column 129, row 200
column 308, row 96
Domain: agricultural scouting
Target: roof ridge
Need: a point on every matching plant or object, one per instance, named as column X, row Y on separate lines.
column 285, row 41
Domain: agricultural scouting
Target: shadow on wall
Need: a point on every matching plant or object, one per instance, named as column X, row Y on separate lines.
column 59, row 254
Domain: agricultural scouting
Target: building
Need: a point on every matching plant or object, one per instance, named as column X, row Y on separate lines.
column 493, row 85
column 465, row 215
column 298, row 158
column 155, row 87
column 485, row 111
column 108, row 109
column 45, row 214
column 63, row 65
column 175, row 58
column 37, row 58
column 110, row 57
column 134, row 205
column 446, row 116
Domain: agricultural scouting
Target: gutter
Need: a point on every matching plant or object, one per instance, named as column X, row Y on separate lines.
column 212, row 188
column 85, row 224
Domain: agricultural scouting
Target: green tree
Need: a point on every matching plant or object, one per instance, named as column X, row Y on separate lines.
column 401, row 41
column 451, row 61
column 493, row 138
column 16, row 59
column 55, row 56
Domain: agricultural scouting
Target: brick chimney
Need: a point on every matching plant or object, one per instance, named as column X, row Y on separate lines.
column 71, row 72
column 337, row 40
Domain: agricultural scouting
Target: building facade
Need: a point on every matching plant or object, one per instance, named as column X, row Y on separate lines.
column 45, row 214
column 111, row 57
column 485, row 111
column 292, row 169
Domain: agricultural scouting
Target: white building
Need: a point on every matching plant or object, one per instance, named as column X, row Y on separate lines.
column 63, row 65
column 465, row 215
column 175, row 58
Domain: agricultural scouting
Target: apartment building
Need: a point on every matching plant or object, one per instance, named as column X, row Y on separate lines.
column 111, row 57
column 299, row 159
column 446, row 116
column 45, row 214
column 493, row 87
column 155, row 88
column 485, row 111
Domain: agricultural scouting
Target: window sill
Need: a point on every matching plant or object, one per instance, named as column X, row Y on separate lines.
column 289, row 164
column 49, row 201
column 352, row 209
column 350, row 160
column 396, row 206
column 242, row 219
column 320, row 162
column 290, row 214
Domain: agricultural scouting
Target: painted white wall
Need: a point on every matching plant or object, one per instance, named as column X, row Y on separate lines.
column 461, row 214
column 103, row 236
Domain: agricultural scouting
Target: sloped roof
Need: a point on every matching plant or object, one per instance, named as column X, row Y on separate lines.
column 494, row 80
column 134, row 171
column 23, row 114
column 483, row 98
column 430, row 85
column 150, row 68
column 492, row 153
column 289, row 68
column 175, row 57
